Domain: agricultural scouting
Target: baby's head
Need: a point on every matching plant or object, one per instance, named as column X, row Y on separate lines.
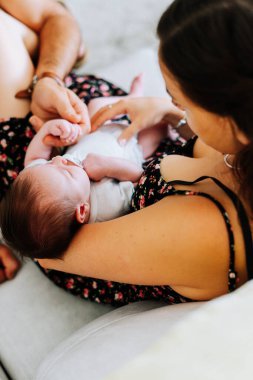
column 45, row 207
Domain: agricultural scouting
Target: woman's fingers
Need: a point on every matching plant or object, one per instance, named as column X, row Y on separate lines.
column 64, row 107
column 111, row 111
column 36, row 122
column 81, row 109
column 129, row 132
column 108, row 113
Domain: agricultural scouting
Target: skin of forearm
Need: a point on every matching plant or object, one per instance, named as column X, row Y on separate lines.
column 59, row 43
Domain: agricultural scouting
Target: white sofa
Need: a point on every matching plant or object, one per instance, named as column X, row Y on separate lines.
column 48, row 334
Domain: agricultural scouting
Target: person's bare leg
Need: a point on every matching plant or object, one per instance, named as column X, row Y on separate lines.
column 150, row 138
column 136, row 89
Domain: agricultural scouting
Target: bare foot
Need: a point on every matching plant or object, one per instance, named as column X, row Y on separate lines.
column 136, row 88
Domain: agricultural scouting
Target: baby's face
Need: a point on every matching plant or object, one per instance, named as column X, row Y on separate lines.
column 61, row 178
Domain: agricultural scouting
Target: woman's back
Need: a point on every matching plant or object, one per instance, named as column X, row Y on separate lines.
column 180, row 164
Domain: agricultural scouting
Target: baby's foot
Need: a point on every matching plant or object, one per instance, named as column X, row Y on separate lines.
column 136, row 88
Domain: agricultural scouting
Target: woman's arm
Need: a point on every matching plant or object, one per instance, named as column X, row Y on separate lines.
column 58, row 30
column 144, row 113
column 170, row 243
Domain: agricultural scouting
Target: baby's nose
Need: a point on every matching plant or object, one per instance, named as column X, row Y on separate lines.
column 59, row 160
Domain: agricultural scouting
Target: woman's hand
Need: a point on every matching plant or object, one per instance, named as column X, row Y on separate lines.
column 51, row 101
column 60, row 132
column 9, row 264
column 143, row 112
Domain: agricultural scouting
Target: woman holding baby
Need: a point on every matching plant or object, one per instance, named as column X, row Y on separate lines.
column 194, row 241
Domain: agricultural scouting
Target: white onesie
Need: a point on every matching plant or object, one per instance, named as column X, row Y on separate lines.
column 109, row 198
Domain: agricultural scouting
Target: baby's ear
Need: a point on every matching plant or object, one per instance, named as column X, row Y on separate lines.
column 36, row 122
column 82, row 212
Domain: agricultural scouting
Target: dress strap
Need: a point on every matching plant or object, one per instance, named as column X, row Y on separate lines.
column 243, row 220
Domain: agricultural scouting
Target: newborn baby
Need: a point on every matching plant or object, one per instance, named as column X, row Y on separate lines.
column 51, row 199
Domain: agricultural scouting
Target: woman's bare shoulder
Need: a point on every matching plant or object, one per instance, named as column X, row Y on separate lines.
column 180, row 241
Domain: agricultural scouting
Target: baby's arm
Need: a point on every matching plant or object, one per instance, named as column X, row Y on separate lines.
column 59, row 127
column 98, row 167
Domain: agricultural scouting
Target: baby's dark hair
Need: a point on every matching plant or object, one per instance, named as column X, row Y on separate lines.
column 208, row 47
column 32, row 224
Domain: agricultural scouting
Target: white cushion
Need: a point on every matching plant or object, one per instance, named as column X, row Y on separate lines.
column 213, row 342
column 111, row 341
column 200, row 341
column 2, row 374
column 35, row 317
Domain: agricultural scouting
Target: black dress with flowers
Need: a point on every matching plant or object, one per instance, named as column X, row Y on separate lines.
column 15, row 135
column 150, row 189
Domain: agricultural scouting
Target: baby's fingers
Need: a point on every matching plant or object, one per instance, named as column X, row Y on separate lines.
column 81, row 110
column 75, row 132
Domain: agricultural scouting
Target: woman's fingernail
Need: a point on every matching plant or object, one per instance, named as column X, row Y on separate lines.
column 122, row 142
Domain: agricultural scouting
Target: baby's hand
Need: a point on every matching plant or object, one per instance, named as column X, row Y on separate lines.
column 95, row 166
column 63, row 129
column 57, row 132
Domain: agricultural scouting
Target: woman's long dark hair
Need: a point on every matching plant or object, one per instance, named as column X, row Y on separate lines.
column 208, row 46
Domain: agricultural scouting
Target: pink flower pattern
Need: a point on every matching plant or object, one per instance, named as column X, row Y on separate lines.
column 15, row 135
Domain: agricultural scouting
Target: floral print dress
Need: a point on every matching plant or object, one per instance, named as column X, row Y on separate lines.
column 15, row 135
column 150, row 189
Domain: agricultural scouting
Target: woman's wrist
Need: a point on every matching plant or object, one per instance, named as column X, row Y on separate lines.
column 173, row 119
column 170, row 114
